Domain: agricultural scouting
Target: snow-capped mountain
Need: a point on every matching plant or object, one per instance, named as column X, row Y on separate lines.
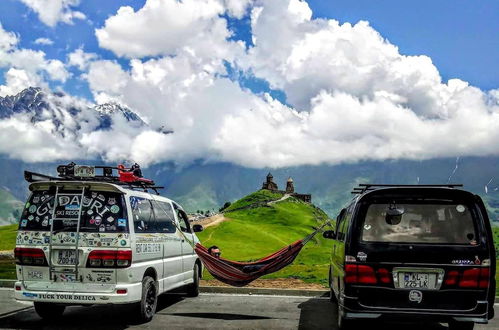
column 41, row 106
column 107, row 111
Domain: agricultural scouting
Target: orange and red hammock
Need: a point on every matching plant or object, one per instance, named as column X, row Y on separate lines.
column 239, row 274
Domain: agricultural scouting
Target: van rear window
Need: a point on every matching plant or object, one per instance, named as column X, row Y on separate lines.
column 101, row 212
column 419, row 223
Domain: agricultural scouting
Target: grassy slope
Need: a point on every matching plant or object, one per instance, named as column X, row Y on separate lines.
column 260, row 196
column 256, row 232
column 8, row 237
column 7, row 242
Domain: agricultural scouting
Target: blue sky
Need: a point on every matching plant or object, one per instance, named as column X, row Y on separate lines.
column 461, row 37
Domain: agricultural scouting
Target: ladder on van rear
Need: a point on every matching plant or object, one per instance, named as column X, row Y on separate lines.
column 67, row 269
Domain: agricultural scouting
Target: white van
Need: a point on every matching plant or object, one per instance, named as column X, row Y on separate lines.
column 102, row 243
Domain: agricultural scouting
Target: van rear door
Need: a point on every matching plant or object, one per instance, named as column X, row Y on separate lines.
column 422, row 249
column 103, row 226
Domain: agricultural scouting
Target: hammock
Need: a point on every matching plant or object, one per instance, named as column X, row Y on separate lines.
column 239, row 274
column 242, row 273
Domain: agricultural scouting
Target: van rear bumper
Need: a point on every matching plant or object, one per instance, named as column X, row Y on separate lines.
column 354, row 310
column 133, row 294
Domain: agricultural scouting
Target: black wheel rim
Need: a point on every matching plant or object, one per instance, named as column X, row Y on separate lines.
column 150, row 299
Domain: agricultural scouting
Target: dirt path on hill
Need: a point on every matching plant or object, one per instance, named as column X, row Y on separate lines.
column 212, row 221
column 286, row 196
column 278, row 283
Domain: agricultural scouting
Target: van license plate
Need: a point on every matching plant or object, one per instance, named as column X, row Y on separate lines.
column 66, row 257
column 417, row 280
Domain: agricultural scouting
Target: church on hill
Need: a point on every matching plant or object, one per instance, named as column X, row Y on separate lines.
column 290, row 188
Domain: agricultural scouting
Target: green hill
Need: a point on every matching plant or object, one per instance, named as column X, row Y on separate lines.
column 256, row 229
column 7, row 242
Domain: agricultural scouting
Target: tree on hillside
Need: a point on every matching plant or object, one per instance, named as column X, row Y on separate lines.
column 226, row 205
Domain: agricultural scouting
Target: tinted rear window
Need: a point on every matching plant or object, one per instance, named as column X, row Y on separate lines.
column 101, row 212
column 444, row 223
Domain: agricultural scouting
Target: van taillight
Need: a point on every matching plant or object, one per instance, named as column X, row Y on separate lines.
column 30, row 257
column 109, row 259
column 384, row 276
column 451, row 278
column 472, row 278
column 360, row 274
column 475, row 278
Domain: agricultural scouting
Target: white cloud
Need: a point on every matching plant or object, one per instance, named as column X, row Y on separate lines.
column 168, row 27
column 26, row 67
column 352, row 96
column 51, row 12
column 237, row 8
column 80, row 59
column 17, row 80
column 44, row 41
column 8, row 40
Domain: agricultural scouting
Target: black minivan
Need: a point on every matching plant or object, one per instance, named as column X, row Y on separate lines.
column 413, row 253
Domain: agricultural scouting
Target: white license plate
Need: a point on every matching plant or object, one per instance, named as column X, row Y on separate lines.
column 66, row 257
column 84, row 171
column 417, row 280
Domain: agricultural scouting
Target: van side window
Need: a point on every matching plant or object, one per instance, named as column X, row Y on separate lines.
column 143, row 215
column 164, row 217
column 182, row 219
column 340, row 236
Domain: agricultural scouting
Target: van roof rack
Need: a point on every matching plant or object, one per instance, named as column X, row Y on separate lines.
column 364, row 187
column 128, row 177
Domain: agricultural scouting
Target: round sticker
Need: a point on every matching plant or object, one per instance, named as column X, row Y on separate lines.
column 32, row 209
column 98, row 220
column 115, row 209
column 123, row 242
column 460, row 208
column 91, row 221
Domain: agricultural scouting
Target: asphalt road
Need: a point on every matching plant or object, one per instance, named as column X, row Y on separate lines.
column 208, row 311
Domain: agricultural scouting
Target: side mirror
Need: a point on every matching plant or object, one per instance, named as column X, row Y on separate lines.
column 329, row 234
column 197, row 228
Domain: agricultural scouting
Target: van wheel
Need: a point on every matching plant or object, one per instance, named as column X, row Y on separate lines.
column 149, row 301
column 458, row 325
column 49, row 311
column 193, row 289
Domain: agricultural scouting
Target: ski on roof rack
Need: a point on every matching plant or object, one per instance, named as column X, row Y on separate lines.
column 364, row 187
column 130, row 177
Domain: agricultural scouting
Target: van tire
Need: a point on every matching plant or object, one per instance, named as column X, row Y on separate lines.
column 149, row 301
column 193, row 289
column 459, row 325
column 49, row 311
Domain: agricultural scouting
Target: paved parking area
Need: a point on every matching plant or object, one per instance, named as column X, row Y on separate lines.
column 208, row 311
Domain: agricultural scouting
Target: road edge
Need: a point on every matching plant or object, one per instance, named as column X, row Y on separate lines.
column 233, row 290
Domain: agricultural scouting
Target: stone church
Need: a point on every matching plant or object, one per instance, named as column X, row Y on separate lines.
column 290, row 188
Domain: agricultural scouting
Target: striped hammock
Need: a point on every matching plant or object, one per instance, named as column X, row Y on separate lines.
column 242, row 273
